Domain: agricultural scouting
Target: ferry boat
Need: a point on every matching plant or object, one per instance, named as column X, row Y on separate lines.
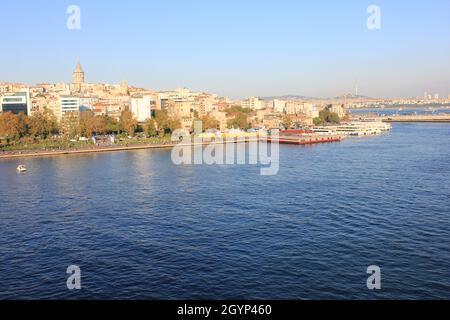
column 21, row 168
column 356, row 128
column 376, row 125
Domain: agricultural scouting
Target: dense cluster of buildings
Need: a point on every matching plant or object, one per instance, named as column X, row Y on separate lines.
column 182, row 104
column 425, row 100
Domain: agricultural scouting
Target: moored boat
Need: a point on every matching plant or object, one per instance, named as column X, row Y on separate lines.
column 361, row 128
column 21, row 168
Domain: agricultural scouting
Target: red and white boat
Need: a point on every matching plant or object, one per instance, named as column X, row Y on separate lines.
column 305, row 137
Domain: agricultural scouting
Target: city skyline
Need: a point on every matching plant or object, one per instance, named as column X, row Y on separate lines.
column 240, row 50
column 78, row 78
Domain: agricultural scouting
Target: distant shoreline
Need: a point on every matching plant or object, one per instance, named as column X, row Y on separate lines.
column 407, row 106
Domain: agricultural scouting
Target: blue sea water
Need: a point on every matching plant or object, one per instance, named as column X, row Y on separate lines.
column 140, row 227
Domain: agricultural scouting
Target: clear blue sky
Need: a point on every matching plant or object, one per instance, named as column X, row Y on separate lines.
column 233, row 48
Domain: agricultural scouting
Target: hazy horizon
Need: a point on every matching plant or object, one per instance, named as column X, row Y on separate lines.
column 258, row 48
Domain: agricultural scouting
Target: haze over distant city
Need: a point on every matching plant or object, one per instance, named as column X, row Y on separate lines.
column 234, row 48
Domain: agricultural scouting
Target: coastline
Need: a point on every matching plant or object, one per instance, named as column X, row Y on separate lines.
column 10, row 155
column 35, row 154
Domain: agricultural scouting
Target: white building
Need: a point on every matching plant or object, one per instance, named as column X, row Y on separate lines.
column 253, row 103
column 279, row 106
column 68, row 104
column 141, row 107
column 315, row 112
column 339, row 109
column 294, row 107
column 310, row 110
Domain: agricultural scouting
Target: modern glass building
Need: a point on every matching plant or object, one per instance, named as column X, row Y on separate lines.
column 16, row 103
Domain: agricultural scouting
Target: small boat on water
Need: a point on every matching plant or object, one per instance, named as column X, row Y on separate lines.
column 21, row 168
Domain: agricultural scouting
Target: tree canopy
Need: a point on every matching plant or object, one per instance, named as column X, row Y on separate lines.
column 43, row 124
column 127, row 122
column 326, row 116
column 240, row 121
column 11, row 126
column 166, row 124
column 209, row 122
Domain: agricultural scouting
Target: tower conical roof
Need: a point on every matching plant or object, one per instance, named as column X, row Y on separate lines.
column 78, row 67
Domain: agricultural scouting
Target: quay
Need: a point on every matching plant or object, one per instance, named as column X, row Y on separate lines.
column 33, row 154
column 417, row 118
column 89, row 150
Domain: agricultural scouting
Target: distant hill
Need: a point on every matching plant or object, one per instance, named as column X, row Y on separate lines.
column 298, row 97
column 288, row 97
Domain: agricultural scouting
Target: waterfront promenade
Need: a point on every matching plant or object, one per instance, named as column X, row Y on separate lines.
column 94, row 149
column 47, row 153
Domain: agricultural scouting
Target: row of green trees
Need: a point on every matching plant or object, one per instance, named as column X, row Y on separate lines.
column 44, row 124
column 13, row 127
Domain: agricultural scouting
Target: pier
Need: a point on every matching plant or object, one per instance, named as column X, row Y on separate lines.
column 417, row 118
column 308, row 140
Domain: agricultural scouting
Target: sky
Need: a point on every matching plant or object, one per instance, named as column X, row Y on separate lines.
column 233, row 48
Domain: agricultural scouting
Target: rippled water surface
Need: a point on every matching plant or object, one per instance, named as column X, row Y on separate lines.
column 141, row 227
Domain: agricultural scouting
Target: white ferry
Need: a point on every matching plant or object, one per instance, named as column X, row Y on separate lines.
column 356, row 128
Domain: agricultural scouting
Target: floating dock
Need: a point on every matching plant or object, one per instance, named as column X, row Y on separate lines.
column 418, row 119
column 304, row 137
